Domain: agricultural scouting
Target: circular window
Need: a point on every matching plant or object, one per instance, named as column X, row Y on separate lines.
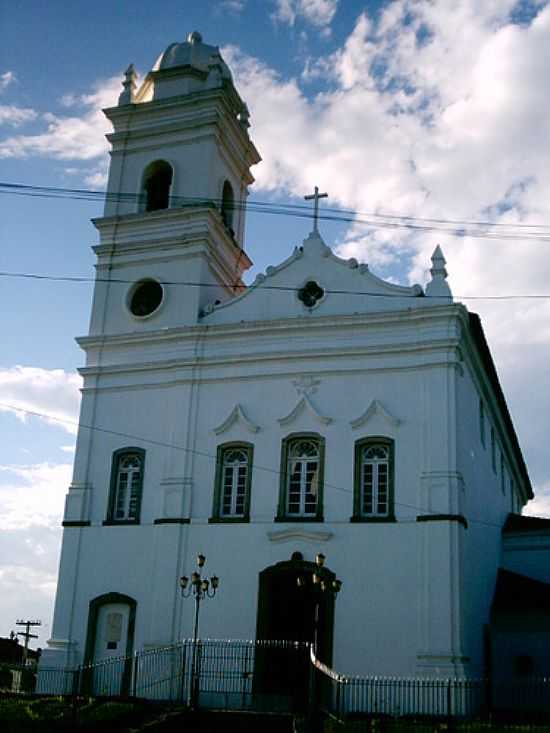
column 145, row 298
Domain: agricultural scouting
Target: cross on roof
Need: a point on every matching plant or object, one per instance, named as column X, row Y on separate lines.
column 316, row 196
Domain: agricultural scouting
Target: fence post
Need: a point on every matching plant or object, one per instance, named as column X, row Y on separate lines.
column 76, row 686
column 134, row 674
column 183, row 670
column 312, row 692
column 449, row 701
column 196, row 674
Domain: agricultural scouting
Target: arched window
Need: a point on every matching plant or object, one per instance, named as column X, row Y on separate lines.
column 233, row 480
column 373, row 490
column 126, row 486
column 228, row 206
column 157, row 180
column 301, row 493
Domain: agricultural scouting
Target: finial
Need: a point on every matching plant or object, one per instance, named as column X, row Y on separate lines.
column 194, row 37
column 438, row 287
column 129, row 84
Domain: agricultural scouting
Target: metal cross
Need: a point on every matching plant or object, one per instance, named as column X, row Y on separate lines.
column 316, row 196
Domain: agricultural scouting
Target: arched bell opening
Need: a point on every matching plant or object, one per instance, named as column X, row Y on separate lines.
column 157, row 182
column 228, row 206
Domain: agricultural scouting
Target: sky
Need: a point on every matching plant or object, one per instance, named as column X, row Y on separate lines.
column 438, row 110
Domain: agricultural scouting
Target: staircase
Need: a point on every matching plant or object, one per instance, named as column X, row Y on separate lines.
column 222, row 722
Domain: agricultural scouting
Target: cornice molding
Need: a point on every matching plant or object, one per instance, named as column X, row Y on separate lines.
column 340, row 322
column 187, row 365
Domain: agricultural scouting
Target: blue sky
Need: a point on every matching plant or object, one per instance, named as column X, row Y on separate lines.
column 403, row 107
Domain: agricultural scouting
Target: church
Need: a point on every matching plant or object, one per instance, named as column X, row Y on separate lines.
column 318, row 415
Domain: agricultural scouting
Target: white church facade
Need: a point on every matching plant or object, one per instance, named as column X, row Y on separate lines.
column 319, row 410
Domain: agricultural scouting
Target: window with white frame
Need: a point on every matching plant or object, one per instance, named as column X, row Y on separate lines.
column 232, row 489
column 373, row 485
column 302, row 478
column 126, row 485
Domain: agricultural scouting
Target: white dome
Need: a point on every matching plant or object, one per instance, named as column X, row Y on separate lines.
column 192, row 52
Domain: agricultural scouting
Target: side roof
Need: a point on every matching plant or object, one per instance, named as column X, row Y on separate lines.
column 478, row 336
column 519, row 523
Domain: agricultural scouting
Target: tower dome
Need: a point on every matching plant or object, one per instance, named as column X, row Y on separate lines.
column 192, row 52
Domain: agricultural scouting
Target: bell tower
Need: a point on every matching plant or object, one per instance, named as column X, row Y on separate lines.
column 171, row 238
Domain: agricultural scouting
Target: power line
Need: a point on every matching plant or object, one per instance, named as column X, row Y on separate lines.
column 245, row 288
column 453, row 227
column 204, row 454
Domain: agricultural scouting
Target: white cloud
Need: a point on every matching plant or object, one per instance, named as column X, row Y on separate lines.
column 233, row 6
column 70, row 137
column 540, row 505
column 435, row 110
column 12, row 115
column 28, row 573
column 32, row 495
column 50, row 391
column 6, row 79
column 318, row 13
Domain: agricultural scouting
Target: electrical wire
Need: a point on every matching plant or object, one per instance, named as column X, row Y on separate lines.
column 210, row 456
column 453, row 227
column 245, row 288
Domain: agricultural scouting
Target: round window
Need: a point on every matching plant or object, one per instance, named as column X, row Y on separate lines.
column 145, row 298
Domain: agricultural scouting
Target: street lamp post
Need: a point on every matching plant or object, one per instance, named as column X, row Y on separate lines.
column 323, row 584
column 199, row 588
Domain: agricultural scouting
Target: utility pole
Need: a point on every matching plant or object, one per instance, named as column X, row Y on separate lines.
column 27, row 634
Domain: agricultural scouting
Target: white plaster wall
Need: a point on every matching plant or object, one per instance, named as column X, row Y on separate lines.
column 376, row 619
column 485, row 508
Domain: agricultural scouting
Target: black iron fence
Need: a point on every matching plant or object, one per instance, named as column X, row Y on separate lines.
column 239, row 675
column 275, row 676
column 345, row 697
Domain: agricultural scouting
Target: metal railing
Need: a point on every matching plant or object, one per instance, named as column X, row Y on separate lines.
column 345, row 697
column 240, row 675
column 276, row 676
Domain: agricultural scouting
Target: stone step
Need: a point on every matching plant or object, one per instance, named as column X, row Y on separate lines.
column 223, row 722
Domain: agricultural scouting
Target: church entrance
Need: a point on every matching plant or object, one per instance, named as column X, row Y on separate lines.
column 290, row 609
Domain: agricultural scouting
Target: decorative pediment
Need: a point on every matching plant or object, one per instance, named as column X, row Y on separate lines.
column 304, row 403
column 293, row 534
column 237, row 414
column 375, row 408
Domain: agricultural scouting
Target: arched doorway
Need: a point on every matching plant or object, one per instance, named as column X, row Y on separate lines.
column 110, row 644
column 291, row 610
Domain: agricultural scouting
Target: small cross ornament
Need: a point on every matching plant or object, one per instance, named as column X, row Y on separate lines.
column 315, row 197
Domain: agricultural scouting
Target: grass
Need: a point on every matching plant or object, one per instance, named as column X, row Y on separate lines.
column 56, row 714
